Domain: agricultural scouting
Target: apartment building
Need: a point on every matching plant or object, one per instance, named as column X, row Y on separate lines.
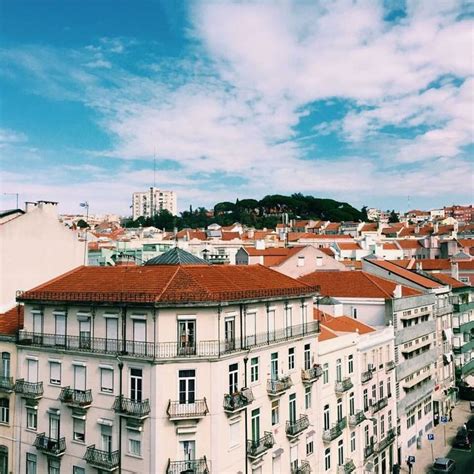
column 144, row 368
column 153, row 201
column 357, row 409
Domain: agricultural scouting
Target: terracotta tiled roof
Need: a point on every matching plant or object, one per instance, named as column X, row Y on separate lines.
column 409, row 244
column 348, row 245
column 449, row 280
column 274, row 256
column 430, row 264
column 369, row 227
column 230, row 235
column 406, row 274
column 168, row 284
column 327, row 251
column 354, row 284
column 11, row 321
column 337, row 324
column 333, row 226
column 355, row 264
column 293, row 236
column 389, row 246
column 466, row 242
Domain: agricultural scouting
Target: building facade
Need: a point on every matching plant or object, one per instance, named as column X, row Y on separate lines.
column 151, row 202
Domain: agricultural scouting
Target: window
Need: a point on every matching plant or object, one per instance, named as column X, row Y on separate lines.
column 106, row 380
column 136, row 384
column 55, row 373
column 309, row 445
column 326, row 417
column 31, row 463
column 353, row 441
column 255, row 424
column 390, row 419
column 53, row 466
column 340, row 452
column 229, row 333
column 338, row 370
column 254, row 369
column 4, row 410
column 319, row 261
column 31, row 418
column 354, row 313
column 307, row 397
column 275, row 412
column 374, row 393
column 79, row 429
column 234, row 436
column 134, row 446
column 79, row 377
column 78, row 470
column 6, row 364
column 292, row 408
column 274, row 365
column 187, row 336
column 339, row 409
column 233, row 378
column 187, row 386
column 381, row 389
column 327, row 459
column 351, row 404
column 307, row 356
column 326, row 373
column 389, row 388
column 366, row 400
column 351, row 364
column 291, row 358
column 382, row 426
column 366, row 435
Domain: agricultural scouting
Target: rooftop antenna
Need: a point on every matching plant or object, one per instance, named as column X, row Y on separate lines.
column 408, row 203
column 13, row 194
column 154, row 168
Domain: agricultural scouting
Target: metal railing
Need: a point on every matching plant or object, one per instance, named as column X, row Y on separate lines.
column 312, row 374
column 357, row 418
column 390, row 365
column 343, row 385
column 347, row 467
column 191, row 466
column 29, row 389
column 389, row 439
column 302, row 468
column 258, row 447
column 7, row 384
column 163, row 350
column 277, row 386
column 379, row 405
column 132, row 408
column 107, row 460
column 238, row 400
column 197, row 409
column 50, row 446
column 294, row 428
column 332, row 433
column 76, row 398
column 369, row 450
column 366, row 376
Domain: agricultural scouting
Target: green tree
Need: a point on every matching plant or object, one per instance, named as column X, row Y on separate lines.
column 393, row 218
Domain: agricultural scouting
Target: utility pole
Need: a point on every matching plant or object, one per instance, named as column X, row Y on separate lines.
column 13, row 194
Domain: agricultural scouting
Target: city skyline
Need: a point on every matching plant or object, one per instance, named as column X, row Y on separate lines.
column 236, row 101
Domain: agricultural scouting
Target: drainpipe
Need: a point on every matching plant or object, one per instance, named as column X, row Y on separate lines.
column 120, row 366
column 246, row 359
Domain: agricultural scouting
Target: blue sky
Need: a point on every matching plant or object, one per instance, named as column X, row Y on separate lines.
column 366, row 102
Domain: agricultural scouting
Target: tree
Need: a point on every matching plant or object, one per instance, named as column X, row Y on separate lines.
column 364, row 217
column 82, row 224
column 393, row 218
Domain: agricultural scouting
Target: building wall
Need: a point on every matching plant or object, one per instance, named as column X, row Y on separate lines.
column 152, row 201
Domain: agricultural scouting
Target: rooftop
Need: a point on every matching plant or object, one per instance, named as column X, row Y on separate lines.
column 176, row 256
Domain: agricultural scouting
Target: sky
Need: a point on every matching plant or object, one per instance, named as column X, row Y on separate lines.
column 365, row 102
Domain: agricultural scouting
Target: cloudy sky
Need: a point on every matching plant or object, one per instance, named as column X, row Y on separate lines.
column 362, row 101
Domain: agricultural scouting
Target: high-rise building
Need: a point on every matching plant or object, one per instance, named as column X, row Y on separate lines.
column 153, row 201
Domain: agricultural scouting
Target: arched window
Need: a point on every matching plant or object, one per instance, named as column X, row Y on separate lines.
column 4, row 410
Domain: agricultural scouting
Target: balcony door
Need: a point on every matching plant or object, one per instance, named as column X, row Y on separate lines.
column 255, row 425
column 85, row 333
column 136, row 384
column 187, row 336
column 111, row 334
column 274, row 366
column 229, row 334
column 60, row 329
column 37, row 327
column 250, row 328
column 106, row 438
column 54, row 426
column 233, row 378
column 292, row 408
column 5, row 364
column 188, row 450
column 139, row 336
column 32, row 370
column 79, row 378
column 187, row 387
column 271, row 325
column 338, row 370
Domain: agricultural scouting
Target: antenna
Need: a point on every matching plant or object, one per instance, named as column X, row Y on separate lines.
column 154, row 168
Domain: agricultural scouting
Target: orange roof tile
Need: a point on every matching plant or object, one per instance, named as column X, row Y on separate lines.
column 449, row 280
column 409, row 244
column 389, row 246
column 348, row 245
column 169, row 284
column 12, row 320
column 369, row 227
column 354, row 284
column 325, row 334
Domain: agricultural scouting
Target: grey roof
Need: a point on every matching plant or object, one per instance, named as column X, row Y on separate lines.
column 328, row 300
column 176, row 256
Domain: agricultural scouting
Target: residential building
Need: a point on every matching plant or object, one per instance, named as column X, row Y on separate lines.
column 460, row 213
column 153, row 201
column 145, row 368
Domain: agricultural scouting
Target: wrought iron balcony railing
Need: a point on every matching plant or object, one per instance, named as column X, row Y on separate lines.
column 278, row 386
column 379, row 405
column 390, row 365
column 103, row 460
column 294, row 428
column 347, row 467
column 76, row 398
column 259, row 447
column 312, row 374
column 50, row 446
column 357, row 418
column 389, row 439
column 7, row 384
column 132, row 408
column 369, row 450
column 31, row 390
column 366, row 376
column 237, row 401
column 182, row 411
column 191, row 466
column 343, row 385
column 302, row 468
column 332, row 433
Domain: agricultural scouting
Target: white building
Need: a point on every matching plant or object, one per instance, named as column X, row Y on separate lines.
column 165, row 368
column 153, row 201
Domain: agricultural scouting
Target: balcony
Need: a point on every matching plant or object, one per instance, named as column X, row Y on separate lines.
column 295, row 428
column 461, row 307
column 7, row 384
column 29, row 390
column 187, row 411
column 415, row 395
column 332, row 433
column 50, row 446
column 369, row 450
column 256, row 449
column 357, row 418
column 344, row 385
column 387, row 441
column 238, row 401
column 347, row 467
column 76, row 398
column 466, row 368
column 415, row 331
column 390, row 365
column 132, row 408
column 366, row 376
column 312, row 374
column 193, row 466
column 276, row 387
column 379, row 405
column 463, row 346
column 409, row 366
column 103, row 460
column 163, row 350
column 302, row 468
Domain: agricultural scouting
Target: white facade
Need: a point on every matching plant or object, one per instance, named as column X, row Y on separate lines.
column 153, row 201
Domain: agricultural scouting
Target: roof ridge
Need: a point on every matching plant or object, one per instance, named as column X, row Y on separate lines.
column 370, row 277
column 168, row 284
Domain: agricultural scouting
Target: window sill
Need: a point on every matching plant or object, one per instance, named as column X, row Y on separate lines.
column 135, row 456
column 107, row 394
column 31, row 430
column 76, row 441
column 4, row 423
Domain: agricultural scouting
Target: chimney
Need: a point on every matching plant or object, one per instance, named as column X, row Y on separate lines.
column 419, row 266
column 454, row 269
column 260, row 244
column 30, row 205
column 397, row 292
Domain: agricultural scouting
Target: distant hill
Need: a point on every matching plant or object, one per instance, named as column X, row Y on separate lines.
column 266, row 212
